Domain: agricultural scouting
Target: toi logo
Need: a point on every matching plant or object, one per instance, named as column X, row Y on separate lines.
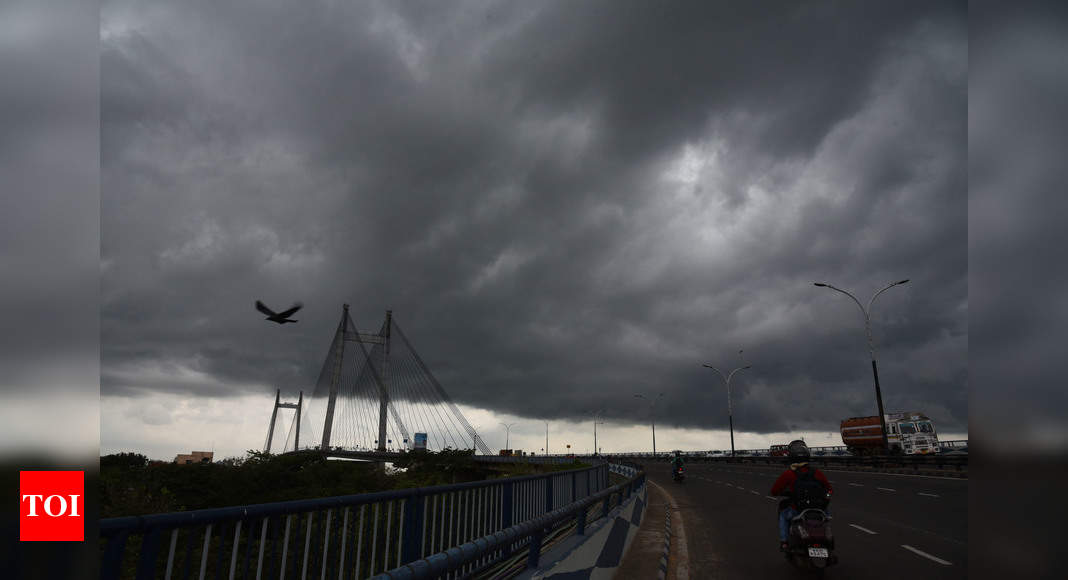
column 51, row 506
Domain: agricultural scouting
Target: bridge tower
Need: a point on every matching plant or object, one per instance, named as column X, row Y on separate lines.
column 278, row 404
column 390, row 362
column 383, row 401
column 346, row 332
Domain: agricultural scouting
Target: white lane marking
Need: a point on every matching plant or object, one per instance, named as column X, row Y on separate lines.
column 863, row 529
column 718, row 481
column 857, row 484
column 929, row 494
column 886, row 489
column 754, row 492
column 771, row 498
column 926, row 555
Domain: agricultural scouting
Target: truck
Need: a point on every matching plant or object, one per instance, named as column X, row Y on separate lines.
column 779, row 451
column 907, row 433
column 420, row 442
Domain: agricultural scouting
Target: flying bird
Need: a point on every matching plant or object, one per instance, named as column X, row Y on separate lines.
column 279, row 317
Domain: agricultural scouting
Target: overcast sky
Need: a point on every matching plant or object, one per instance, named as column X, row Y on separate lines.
column 564, row 204
column 49, row 227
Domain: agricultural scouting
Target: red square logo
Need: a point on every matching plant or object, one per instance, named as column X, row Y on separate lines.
column 52, row 506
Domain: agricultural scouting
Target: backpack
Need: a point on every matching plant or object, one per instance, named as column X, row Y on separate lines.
column 808, row 491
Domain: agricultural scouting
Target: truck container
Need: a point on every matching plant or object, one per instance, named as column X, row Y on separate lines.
column 908, row 433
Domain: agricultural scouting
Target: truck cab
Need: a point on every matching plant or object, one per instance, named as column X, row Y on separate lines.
column 917, row 434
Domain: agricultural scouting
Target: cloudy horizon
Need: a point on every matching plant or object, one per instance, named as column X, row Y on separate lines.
column 562, row 204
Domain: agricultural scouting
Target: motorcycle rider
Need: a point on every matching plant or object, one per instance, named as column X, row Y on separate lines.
column 676, row 462
column 785, row 485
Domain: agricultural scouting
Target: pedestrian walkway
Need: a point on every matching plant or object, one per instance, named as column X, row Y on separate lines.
column 597, row 554
column 643, row 558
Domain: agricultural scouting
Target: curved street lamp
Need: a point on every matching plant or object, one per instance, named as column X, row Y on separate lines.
column 730, row 410
column 871, row 348
column 507, row 433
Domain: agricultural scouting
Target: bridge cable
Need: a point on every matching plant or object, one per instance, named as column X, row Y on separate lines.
column 427, row 395
column 440, row 390
column 410, row 387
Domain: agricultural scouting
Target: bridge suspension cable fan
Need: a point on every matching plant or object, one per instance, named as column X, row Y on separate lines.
column 374, row 391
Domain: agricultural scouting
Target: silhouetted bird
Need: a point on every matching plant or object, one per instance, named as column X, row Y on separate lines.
column 279, row 317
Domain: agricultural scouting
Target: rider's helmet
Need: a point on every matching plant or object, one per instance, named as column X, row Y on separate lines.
column 678, row 453
column 798, row 450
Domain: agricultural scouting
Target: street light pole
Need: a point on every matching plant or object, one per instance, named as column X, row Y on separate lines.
column 596, row 449
column 507, row 434
column 546, row 437
column 730, row 409
column 652, row 416
column 871, row 349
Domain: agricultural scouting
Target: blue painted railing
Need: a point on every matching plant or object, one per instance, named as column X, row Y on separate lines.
column 352, row 536
column 504, row 553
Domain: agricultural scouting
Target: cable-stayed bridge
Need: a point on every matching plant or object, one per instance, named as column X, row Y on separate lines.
column 374, row 392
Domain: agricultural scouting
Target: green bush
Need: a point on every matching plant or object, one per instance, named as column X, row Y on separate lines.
column 131, row 485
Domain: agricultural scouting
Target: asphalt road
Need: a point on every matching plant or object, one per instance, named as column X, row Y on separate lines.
column 885, row 526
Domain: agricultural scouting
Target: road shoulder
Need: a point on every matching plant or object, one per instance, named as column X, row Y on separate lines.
column 644, row 556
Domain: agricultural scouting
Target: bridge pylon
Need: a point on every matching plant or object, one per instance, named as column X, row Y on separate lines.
column 278, row 404
column 346, row 332
column 388, row 377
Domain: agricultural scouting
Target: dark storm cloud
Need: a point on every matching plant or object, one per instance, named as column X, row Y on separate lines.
column 1017, row 129
column 49, row 234
column 581, row 201
column 49, row 204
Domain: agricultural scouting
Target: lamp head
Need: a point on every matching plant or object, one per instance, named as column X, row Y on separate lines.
column 902, row 282
column 820, row 284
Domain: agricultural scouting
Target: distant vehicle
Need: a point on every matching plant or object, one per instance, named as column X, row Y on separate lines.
column 910, row 433
column 420, row 442
column 779, row 451
column 506, row 453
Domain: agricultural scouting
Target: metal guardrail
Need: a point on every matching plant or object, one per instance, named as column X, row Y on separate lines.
column 551, row 459
column 352, row 536
column 957, row 463
column 817, row 450
column 511, row 550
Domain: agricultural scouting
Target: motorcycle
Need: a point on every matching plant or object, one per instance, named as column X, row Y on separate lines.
column 678, row 474
column 810, row 543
